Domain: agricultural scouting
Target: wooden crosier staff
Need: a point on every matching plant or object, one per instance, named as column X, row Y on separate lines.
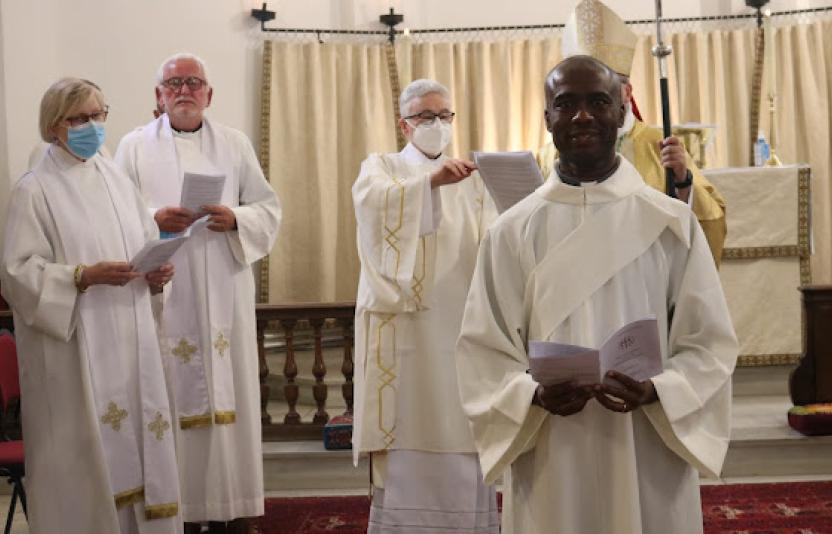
column 660, row 52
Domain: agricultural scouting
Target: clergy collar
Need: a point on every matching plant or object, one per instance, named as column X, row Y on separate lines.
column 414, row 156
column 187, row 132
column 623, row 182
column 568, row 180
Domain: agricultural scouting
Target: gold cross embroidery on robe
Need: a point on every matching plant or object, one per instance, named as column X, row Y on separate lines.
column 221, row 344
column 114, row 416
column 184, row 350
column 158, row 426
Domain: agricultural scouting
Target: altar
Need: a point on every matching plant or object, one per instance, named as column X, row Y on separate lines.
column 766, row 258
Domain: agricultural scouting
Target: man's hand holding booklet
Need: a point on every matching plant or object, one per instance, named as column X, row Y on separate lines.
column 633, row 350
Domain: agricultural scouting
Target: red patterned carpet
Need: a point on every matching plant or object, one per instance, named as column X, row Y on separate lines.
column 792, row 508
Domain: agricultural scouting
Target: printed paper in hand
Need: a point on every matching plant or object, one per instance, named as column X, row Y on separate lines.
column 197, row 226
column 509, row 176
column 633, row 350
column 200, row 190
column 156, row 253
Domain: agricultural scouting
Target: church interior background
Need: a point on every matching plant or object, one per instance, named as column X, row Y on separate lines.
column 314, row 90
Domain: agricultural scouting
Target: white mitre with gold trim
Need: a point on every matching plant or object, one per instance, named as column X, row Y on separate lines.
column 595, row 30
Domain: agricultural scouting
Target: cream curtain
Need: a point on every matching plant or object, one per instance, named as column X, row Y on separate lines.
column 329, row 108
column 710, row 80
column 331, row 105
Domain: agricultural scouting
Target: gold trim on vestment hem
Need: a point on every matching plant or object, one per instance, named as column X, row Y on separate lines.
column 195, row 421
column 161, row 511
column 130, row 496
column 225, row 418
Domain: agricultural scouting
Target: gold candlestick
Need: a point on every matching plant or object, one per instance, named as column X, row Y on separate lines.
column 773, row 160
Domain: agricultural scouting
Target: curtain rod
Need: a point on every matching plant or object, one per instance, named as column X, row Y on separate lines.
column 710, row 18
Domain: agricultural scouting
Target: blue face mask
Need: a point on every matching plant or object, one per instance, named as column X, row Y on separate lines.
column 85, row 140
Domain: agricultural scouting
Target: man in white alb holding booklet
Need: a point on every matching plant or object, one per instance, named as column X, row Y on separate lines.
column 208, row 329
column 591, row 251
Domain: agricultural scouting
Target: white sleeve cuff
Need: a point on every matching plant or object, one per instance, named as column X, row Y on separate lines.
column 431, row 209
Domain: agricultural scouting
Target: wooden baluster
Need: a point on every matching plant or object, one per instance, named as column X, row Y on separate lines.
column 319, row 370
column 265, row 417
column 290, row 371
column 348, row 367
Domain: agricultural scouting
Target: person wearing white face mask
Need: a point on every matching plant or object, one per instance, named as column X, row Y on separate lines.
column 421, row 215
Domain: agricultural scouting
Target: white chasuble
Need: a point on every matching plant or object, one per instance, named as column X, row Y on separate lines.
column 99, row 443
column 572, row 265
column 208, row 326
column 418, row 249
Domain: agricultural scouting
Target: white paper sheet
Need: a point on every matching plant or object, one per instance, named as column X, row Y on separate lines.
column 197, row 226
column 509, row 176
column 156, row 253
column 200, row 190
column 633, row 350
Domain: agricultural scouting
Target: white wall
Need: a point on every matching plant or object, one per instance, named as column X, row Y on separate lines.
column 119, row 44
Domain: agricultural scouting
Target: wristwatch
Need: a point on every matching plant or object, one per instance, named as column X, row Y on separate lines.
column 687, row 182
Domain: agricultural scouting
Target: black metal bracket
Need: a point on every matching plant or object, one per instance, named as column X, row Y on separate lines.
column 758, row 5
column 263, row 15
column 391, row 20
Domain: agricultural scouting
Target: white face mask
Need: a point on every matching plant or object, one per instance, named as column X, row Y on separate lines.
column 432, row 138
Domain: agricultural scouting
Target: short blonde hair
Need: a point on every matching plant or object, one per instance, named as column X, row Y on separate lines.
column 61, row 99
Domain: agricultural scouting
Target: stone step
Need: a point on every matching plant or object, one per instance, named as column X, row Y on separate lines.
column 306, row 465
column 763, row 443
column 762, row 381
column 763, row 447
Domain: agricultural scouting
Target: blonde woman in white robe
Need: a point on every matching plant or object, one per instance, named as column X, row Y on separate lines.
column 99, row 448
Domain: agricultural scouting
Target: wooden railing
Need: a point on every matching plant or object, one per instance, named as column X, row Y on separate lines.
column 286, row 321
column 283, row 323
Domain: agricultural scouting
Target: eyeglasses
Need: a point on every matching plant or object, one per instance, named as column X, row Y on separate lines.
column 83, row 118
column 429, row 116
column 193, row 83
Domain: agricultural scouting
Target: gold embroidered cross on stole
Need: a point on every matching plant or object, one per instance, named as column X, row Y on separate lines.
column 114, row 416
column 184, row 350
column 221, row 344
column 158, row 426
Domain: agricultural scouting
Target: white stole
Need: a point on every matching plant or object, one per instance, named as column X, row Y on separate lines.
column 135, row 471
column 198, row 401
column 553, row 299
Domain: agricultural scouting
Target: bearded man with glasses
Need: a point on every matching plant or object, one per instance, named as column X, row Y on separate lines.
column 208, row 329
column 421, row 215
